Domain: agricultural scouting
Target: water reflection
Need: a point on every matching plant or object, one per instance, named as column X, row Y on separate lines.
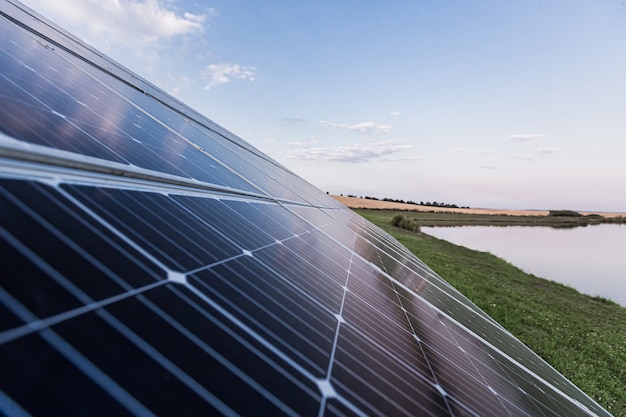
column 590, row 259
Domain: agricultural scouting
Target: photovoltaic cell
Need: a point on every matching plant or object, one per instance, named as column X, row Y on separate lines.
column 154, row 263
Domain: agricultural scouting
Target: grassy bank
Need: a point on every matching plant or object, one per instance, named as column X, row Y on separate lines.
column 583, row 337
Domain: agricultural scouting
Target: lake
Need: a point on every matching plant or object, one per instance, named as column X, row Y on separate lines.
column 591, row 259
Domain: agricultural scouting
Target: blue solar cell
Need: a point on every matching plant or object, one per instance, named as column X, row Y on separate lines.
column 48, row 231
column 21, row 377
column 8, row 320
column 242, row 230
column 171, row 234
column 379, row 382
column 274, row 308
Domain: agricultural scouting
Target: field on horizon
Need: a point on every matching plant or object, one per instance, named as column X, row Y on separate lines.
column 364, row 203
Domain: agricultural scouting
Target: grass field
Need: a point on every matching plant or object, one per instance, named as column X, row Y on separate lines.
column 583, row 337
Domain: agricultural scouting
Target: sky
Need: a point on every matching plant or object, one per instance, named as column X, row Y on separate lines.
column 485, row 103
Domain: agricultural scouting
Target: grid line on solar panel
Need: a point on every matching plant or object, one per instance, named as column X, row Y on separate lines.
column 248, row 330
column 450, row 368
column 260, row 369
column 245, row 233
column 250, row 224
column 348, row 321
column 23, row 223
column 260, row 214
column 368, row 374
column 285, row 318
column 150, row 366
column 176, row 238
column 379, row 322
column 326, row 289
column 37, row 325
column 73, row 356
column 150, row 329
column 246, row 340
column 56, row 357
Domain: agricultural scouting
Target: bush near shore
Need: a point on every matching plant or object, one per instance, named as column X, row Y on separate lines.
column 583, row 337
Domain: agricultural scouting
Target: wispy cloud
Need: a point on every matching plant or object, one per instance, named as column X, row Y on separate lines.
column 401, row 159
column 294, row 120
column 548, row 150
column 311, row 142
column 363, row 127
column 174, row 83
column 133, row 23
column 458, row 150
column 394, row 113
column 523, row 137
column 353, row 153
column 539, row 153
column 223, row 73
column 471, row 151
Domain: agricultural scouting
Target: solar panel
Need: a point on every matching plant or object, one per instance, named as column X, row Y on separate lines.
column 154, row 263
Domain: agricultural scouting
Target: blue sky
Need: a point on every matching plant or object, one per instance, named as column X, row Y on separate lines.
column 503, row 104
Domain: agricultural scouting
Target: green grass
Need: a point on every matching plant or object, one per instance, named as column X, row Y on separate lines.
column 583, row 337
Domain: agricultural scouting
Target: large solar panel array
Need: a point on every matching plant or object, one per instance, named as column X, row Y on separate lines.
column 154, row 263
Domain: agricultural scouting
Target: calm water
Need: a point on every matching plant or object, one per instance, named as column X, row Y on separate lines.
column 591, row 259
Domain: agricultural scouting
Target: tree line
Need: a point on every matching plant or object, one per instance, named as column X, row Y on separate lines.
column 421, row 203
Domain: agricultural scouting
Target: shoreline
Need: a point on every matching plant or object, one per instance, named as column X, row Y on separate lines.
column 363, row 203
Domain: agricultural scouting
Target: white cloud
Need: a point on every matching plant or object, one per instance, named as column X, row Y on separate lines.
column 394, row 113
column 472, row 151
column 539, row 153
column 303, row 143
column 458, row 150
column 222, row 73
column 133, row 23
column 526, row 136
column 175, row 83
column 548, row 150
column 363, row 127
column 294, row 120
column 353, row 153
column 403, row 159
